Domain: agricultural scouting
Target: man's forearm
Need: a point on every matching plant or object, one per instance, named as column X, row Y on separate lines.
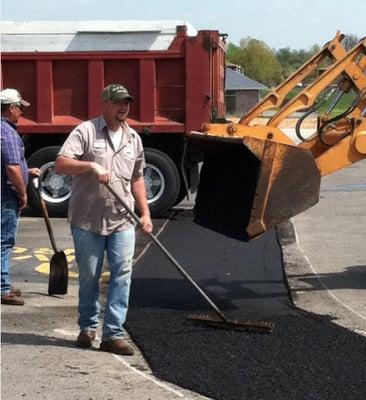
column 15, row 177
column 70, row 166
column 139, row 194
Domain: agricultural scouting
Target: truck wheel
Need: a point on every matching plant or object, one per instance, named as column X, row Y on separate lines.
column 162, row 181
column 56, row 189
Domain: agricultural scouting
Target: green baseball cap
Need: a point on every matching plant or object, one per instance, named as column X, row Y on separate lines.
column 116, row 93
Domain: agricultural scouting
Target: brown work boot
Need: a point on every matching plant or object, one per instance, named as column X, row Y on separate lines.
column 85, row 338
column 12, row 299
column 16, row 291
column 117, row 346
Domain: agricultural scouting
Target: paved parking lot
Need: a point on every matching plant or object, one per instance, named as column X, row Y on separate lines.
column 306, row 357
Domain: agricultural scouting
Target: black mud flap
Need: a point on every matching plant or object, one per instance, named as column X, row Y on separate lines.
column 248, row 185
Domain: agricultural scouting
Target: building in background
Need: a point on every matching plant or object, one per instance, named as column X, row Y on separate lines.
column 241, row 92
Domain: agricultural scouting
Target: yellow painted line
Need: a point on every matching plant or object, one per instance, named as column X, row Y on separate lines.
column 19, row 250
column 43, row 250
column 69, row 251
column 42, row 257
column 21, row 257
column 44, row 268
column 105, row 276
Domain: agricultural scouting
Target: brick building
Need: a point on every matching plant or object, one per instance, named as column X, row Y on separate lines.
column 241, row 92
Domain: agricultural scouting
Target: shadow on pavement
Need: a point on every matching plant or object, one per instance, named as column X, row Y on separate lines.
column 177, row 294
column 34, row 340
column 353, row 277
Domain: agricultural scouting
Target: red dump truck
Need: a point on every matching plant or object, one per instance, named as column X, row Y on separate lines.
column 175, row 74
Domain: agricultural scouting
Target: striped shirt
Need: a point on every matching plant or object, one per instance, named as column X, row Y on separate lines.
column 12, row 153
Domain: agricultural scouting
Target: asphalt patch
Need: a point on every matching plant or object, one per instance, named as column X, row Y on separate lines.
column 305, row 357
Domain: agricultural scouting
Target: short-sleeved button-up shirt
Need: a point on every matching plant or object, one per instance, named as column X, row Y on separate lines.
column 92, row 206
column 12, row 153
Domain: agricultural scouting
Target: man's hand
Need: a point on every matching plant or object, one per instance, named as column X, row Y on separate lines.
column 34, row 172
column 139, row 193
column 100, row 172
column 146, row 222
column 15, row 176
column 23, row 201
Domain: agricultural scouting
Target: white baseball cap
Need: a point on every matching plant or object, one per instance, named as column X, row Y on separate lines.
column 12, row 96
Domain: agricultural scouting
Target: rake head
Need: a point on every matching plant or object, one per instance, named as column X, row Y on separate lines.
column 248, row 325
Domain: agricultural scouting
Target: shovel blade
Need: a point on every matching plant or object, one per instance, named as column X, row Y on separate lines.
column 59, row 274
column 248, row 185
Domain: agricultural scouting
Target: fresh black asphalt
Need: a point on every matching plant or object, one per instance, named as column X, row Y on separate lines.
column 305, row 357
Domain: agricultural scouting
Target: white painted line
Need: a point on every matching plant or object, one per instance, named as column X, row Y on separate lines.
column 323, row 284
column 148, row 377
column 149, row 244
column 119, row 358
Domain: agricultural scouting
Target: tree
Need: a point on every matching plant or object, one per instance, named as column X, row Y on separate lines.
column 257, row 60
column 269, row 66
column 291, row 60
column 349, row 41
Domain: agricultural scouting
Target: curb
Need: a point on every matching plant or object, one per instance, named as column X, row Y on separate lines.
column 295, row 262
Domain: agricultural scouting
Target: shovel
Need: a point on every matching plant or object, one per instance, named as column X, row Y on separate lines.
column 219, row 320
column 59, row 271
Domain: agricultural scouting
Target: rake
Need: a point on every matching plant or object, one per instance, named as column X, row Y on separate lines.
column 219, row 320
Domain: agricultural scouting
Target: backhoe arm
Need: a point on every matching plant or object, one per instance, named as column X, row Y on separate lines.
column 254, row 176
column 348, row 65
column 332, row 51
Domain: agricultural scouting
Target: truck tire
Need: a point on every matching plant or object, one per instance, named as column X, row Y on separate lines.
column 56, row 189
column 163, row 183
column 162, row 180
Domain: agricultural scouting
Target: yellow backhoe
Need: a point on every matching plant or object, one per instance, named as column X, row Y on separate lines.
column 254, row 176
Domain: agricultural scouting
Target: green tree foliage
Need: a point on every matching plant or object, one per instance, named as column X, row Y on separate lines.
column 257, row 60
column 269, row 66
column 291, row 60
column 350, row 41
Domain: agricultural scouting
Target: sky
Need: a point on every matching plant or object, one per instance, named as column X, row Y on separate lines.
column 297, row 24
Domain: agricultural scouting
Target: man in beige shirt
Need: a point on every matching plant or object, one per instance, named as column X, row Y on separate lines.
column 105, row 150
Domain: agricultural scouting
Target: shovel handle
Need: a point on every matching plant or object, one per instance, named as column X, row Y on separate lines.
column 46, row 217
column 169, row 256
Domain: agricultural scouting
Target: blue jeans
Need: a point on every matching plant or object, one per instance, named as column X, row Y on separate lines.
column 9, row 225
column 89, row 254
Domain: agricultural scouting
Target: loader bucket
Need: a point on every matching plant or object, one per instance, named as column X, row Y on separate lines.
column 248, row 185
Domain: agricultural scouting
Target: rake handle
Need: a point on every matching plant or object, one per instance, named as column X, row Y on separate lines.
column 176, row 264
